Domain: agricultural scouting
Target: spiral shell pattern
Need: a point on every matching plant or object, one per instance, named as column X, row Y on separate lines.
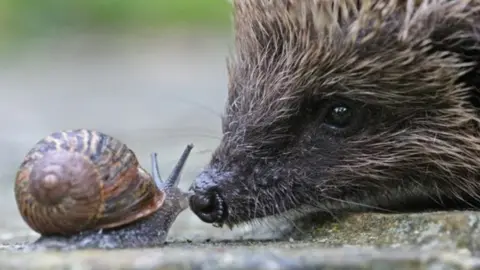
column 78, row 180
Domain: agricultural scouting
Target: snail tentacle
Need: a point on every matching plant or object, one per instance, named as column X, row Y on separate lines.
column 156, row 171
column 174, row 177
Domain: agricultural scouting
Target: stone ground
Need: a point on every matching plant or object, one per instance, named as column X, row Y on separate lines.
column 362, row 241
column 158, row 94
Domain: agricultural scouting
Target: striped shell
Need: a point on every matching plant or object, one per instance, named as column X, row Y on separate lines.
column 78, row 180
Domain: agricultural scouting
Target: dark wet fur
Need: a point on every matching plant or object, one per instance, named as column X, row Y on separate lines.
column 411, row 75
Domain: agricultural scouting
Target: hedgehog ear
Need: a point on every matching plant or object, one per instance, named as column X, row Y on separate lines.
column 467, row 48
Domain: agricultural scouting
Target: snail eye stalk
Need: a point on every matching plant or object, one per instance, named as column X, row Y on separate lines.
column 174, row 177
column 155, row 171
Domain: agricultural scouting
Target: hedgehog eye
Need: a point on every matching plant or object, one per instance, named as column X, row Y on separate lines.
column 339, row 116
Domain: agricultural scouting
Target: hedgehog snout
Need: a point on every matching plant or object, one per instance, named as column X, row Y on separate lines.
column 207, row 201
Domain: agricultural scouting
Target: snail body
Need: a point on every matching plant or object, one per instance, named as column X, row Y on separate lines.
column 76, row 181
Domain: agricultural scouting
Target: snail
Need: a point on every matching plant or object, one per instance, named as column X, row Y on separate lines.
column 85, row 189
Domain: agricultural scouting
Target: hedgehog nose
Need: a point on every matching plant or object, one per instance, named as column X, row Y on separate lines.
column 207, row 201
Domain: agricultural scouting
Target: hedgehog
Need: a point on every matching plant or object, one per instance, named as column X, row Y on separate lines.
column 343, row 106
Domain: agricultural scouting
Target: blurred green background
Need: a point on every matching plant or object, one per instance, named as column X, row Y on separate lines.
column 23, row 19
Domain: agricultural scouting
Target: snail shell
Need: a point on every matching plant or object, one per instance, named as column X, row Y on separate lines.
column 78, row 180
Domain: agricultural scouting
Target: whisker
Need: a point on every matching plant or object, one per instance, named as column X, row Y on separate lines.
column 196, row 104
column 184, row 128
column 207, row 136
column 362, row 205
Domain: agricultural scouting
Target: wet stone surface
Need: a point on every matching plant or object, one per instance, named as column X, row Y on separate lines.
column 446, row 230
column 439, row 240
column 242, row 258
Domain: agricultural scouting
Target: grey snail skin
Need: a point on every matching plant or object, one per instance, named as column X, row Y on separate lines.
column 85, row 189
